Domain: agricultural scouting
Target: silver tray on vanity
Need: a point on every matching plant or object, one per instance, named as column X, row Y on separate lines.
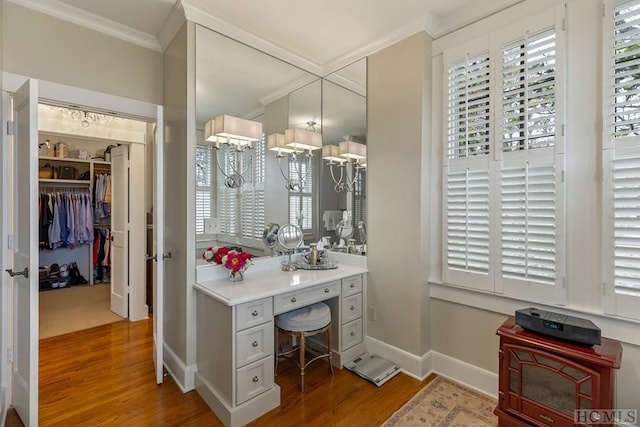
column 329, row 265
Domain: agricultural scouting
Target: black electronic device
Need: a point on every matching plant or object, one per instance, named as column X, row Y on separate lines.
column 561, row 326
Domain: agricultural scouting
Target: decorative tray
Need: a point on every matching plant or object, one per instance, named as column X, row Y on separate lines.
column 330, row 265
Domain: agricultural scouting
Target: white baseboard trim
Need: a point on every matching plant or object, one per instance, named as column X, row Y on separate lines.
column 410, row 364
column 4, row 408
column 183, row 375
column 471, row 376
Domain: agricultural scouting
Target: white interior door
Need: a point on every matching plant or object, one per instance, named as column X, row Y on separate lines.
column 158, row 246
column 119, row 249
column 25, row 254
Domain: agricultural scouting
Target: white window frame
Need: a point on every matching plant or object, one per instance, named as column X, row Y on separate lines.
column 498, row 160
column 615, row 301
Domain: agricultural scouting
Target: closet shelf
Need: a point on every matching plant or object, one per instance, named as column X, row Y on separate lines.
column 69, row 159
column 65, row 181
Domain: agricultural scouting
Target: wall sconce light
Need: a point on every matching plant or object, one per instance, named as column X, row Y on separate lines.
column 235, row 136
column 294, row 142
column 347, row 153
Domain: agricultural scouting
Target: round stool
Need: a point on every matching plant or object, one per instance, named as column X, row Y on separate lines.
column 305, row 322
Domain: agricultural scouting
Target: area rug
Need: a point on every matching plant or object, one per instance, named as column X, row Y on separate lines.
column 445, row 403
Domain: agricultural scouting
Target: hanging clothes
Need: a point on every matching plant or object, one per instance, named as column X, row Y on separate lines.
column 102, row 195
column 63, row 219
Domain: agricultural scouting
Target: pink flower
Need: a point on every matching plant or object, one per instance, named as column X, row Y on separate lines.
column 237, row 261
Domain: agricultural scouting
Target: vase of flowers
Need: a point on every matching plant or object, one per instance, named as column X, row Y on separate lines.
column 235, row 261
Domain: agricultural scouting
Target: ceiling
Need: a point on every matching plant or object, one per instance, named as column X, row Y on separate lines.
column 319, row 36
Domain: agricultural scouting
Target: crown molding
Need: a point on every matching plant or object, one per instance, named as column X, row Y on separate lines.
column 172, row 25
column 419, row 24
column 91, row 21
column 286, row 90
column 230, row 30
column 469, row 16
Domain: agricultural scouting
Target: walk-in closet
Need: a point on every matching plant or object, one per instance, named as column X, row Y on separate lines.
column 84, row 160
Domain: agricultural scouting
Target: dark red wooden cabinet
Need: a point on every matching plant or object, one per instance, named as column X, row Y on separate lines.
column 542, row 380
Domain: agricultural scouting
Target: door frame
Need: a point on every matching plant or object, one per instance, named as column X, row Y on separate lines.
column 49, row 91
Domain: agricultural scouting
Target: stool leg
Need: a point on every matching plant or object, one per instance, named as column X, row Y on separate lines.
column 329, row 348
column 302, row 350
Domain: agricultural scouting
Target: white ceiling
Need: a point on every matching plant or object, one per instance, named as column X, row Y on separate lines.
column 320, row 33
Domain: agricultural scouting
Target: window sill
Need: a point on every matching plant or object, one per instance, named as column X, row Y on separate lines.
column 617, row 328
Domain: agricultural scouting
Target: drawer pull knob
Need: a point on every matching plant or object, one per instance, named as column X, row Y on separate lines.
column 255, row 344
column 353, row 334
column 353, row 285
column 326, row 290
column 293, row 299
column 353, row 308
column 255, row 379
column 254, row 313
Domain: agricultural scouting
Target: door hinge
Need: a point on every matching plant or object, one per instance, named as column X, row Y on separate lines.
column 9, row 127
column 10, row 354
column 10, row 242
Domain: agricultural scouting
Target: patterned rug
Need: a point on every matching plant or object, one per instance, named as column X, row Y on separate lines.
column 445, row 403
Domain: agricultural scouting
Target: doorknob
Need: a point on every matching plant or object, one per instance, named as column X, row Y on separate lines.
column 24, row 272
column 167, row 255
column 154, row 257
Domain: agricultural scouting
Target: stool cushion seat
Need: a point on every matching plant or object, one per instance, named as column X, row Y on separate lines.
column 309, row 318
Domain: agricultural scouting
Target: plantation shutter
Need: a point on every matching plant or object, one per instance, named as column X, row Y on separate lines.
column 466, row 174
column 528, row 223
column 468, row 221
column 301, row 202
column 621, row 161
column 227, row 198
column 203, row 186
column 253, row 197
column 529, row 92
column 530, row 171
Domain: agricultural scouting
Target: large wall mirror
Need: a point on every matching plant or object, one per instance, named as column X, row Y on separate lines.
column 344, row 125
column 236, row 80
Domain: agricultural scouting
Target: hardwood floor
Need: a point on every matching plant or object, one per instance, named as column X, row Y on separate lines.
column 105, row 376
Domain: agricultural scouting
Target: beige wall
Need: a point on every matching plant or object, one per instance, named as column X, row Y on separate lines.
column 397, row 133
column 40, row 46
column 175, row 156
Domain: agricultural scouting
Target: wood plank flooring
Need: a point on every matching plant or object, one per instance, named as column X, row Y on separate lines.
column 105, row 376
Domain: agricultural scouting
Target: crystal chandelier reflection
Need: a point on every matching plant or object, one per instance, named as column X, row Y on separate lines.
column 86, row 118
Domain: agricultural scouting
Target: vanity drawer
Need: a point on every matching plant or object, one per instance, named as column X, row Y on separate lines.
column 351, row 285
column 253, row 313
column 351, row 308
column 254, row 379
column 292, row 300
column 351, row 334
column 254, row 344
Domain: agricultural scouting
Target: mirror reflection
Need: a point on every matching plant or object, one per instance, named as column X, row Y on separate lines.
column 238, row 85
column 344, row 123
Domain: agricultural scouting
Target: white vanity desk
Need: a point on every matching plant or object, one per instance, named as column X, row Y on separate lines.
column 235, row 328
